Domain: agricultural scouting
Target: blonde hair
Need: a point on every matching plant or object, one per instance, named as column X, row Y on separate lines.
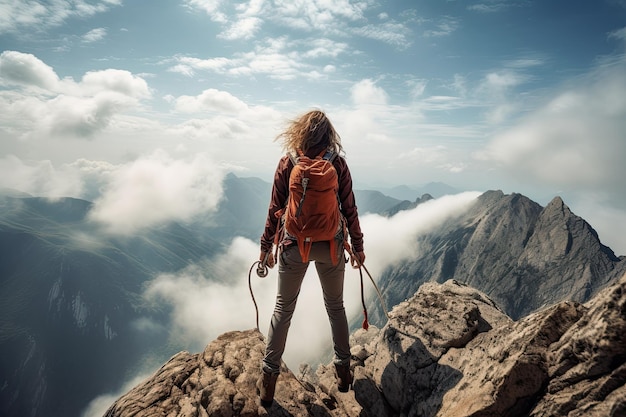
column 309, row 130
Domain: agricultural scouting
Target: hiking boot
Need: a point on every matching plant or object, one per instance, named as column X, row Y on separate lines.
column 266, row 386
column 344, row 377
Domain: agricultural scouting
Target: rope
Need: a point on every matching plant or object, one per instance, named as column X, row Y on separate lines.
column 261, row 271
column 357, row 263
column 380, row 296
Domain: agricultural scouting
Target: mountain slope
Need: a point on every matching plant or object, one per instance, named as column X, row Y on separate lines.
column 522, row 255
column 68, row 296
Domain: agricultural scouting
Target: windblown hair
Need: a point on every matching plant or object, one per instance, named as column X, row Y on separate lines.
column 310, row 130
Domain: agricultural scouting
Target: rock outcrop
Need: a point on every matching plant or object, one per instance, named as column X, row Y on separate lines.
column 447, row 351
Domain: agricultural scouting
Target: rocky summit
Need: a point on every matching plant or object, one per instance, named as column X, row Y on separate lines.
column 449, row 350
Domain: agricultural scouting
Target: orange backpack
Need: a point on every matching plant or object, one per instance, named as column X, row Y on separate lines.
column 312, row 213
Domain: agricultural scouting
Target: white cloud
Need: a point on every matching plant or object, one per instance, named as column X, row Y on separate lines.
column 119, row 81
column 210, row 7
column 324, row 47
column 366, row 93
column 277, row 58
column 575, row 141
column 47, row 105
column 210, row 99
column 619, row 34
column 244, row 28
column 212, row 298
column 218, row 129
column 94, row 35
column 40, row 178
column 17, row 68
column 496, row 90
column 389, row 240
column 444, row 27
column 487, row 8
column 99, row 405
column 392, row 33
column 343, row 17
column 17, row 15
column 319, row 15
column 157, row 189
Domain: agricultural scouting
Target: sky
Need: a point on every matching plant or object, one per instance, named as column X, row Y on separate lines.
column 151, row 100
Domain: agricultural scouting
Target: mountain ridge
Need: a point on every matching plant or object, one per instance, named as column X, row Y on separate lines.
column 512, row 249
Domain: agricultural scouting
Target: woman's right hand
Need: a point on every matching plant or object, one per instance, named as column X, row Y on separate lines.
column 267, row 258
column 357, row 259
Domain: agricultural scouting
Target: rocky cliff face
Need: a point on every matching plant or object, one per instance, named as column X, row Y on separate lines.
column 524, row 256
column 448, row 350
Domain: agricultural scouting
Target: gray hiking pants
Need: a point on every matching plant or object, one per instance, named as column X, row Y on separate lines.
column 291, row 271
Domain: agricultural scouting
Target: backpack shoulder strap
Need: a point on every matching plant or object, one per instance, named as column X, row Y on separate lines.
column 293, row 158
column 329, row 155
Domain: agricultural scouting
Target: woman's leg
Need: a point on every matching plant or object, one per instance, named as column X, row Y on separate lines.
column 331, row 278
column 291, row 271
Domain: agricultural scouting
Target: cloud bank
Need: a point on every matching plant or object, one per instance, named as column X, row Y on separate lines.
column 211, row 299
column 158, row 189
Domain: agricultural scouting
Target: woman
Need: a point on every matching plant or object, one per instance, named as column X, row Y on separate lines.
column 312, row 134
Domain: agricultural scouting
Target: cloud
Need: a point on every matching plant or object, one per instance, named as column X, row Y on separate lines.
column 365, row 121
column 45, row 104
column 366, row 92
column 157, row 189
column 317, row 14
column 40, row 178
column 210, row 99
column 390, row 240
column 244, row 28
column 619, row 34
column 113, row 80
column 278, row 58
column 392, row 33
column 488, row 8
column 444, row 27
column 37, row 15
column 437, row 156
column 210, row 7
column 17, row 68
column 575, row 141
column 343, row 17
column 94, row 35
column 99, row 405
column 212, row 298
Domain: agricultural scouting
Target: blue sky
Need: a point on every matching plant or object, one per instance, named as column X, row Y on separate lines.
column 523, row 96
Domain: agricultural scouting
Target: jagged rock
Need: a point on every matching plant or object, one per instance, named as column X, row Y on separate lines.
column 447, row 351
column 221, row 381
